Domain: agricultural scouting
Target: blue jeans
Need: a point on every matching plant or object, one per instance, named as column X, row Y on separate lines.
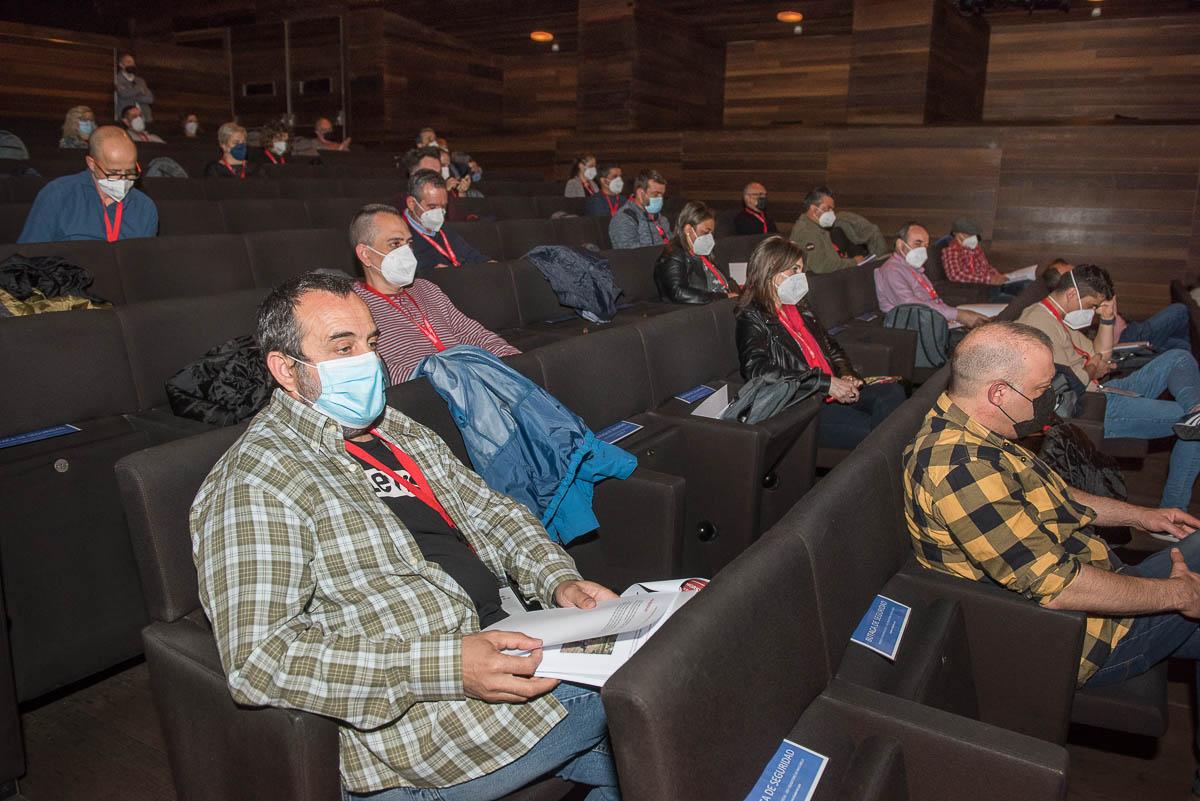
column 1165, row 330
column 844, row 426
column 1154, row 638
column 576, row 750
column 1145, row 417
column 1007, row 293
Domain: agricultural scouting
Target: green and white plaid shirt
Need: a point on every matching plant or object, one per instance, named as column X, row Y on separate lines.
column 321, row 601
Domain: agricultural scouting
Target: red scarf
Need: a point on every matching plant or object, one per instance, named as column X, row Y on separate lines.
column 793, row 321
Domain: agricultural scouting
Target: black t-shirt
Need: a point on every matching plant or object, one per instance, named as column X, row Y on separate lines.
column 438, row 542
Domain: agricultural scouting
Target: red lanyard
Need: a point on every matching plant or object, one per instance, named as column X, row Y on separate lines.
column 661, row 232
column 613, row 205
column 1087, row 357
column 421, row 320
column 420, row 489
column 271, row 156
column 712, row 269
column 447, row 251
column 232, row 171
column 928, row 287
column 762, row 218
column 587, row 187
column 112, row 229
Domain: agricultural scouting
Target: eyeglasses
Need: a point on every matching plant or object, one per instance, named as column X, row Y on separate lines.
column 127, row 175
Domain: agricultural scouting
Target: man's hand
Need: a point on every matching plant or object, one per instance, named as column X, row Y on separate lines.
column 970, row 319
column 843, row 390
column 464, row 184
column 1188, row 585
column 1108, row 309
column 859, row 259
column 492, row 676
column 998, row 280
column 1175, row 522
column 1098, row 368
column 581, row 594
column 452, row 184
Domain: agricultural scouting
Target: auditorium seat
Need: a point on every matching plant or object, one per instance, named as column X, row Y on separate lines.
column 1181, row 292
column 549, row 205
column 334, row 212
column 735, row 249
column 513, row 207
column 179, row 266
column 12, row 221
column 243, row 215
column 379, row 189
column 276, row 256
column 474, row 208
column 21, row 188
column 302, row 188
column 578, row 232
column 519, row 236
column 99, row 258
column 723, row 223
column 482, row 235
column 173, row 188
column 221, row 188
column 181, row 217
column 750, row 647
column 12, row 751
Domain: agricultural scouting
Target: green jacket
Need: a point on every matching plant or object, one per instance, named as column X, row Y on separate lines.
column 820, row 256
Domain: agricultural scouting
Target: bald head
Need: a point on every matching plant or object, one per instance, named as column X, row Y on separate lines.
column 752, row 192
column 1011, row 353
column 110, row 143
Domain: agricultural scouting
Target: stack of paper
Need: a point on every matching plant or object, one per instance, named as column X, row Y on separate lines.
column 986, row 309
column 1024, row 274
column 586, row 646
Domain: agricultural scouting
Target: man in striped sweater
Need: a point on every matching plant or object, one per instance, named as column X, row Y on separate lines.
column 414, row 316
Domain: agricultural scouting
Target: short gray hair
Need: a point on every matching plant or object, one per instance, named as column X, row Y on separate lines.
column 362, row 227
column 277, row 328
column 992, row 352
column 421, row 179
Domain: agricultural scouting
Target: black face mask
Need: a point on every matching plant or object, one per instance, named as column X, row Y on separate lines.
column 130, row 70
column 761, row 203
column 1043, row 413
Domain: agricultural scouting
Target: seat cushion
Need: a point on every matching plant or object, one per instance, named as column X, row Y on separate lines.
column 1138, row 706
column 278, row 255
column 243, row 215
column 183, row 266
column 179, row 217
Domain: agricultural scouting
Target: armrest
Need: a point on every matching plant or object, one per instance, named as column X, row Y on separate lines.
column 946, row 756
column 869, row 340
column 1025, row 657
column 641, row 523
column 220, row 751
column 12, row 754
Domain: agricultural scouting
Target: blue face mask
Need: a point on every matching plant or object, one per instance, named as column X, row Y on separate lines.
column 351, row 389
column 477, row 176
column 87, row 127
column 238, row 151
column 654, row 205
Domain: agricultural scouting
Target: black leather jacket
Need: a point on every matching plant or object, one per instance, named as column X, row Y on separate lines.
column 766, row 347
column 683, row 278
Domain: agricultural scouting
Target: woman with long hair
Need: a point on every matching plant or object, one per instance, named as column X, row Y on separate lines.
column 582, row 180
column 684, row 273
column 778, row 334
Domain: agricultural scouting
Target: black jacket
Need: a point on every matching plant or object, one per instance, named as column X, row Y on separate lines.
column 218, row 169
column 683, row 278
column 765, row 346
column 746, row 223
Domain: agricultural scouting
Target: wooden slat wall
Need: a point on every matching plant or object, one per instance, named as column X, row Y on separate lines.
column 315, row 53
column 1148, row 68
column 889, row 61
column 679, row 77
column 185, row 80
column 540, row 92
column 958, row 58
column 258, row 58
column 606, row 55
column 799, row 80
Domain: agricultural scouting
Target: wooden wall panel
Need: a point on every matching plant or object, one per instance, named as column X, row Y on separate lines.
column 635, row 151
column 958, row 58
column 257, row 54
column 1120, row 197
column 799, row 80
column 315, row 53
column 185, row 80
column 889, row 61
column 1148, row 68
column 540, row 92
column 679, row 77
column 607, row 48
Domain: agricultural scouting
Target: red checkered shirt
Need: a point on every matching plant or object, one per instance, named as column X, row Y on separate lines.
column 967, row 266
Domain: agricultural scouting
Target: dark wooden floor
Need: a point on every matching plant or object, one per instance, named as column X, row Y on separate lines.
column 102, row 742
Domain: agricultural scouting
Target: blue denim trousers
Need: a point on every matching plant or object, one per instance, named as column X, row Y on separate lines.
column 1166, row 330
column 576, row 750
column 1154, row 638
column 1145, row 417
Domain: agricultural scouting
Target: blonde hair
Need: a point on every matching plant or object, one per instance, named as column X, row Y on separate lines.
column 70, row 129
column 226, row 132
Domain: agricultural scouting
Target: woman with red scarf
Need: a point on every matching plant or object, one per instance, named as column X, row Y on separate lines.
column 777, row 333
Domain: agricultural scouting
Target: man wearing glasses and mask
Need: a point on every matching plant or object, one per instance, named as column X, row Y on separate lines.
column 98, row 203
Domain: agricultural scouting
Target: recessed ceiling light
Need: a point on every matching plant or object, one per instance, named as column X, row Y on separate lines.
column 790, row 17
column 542, row 36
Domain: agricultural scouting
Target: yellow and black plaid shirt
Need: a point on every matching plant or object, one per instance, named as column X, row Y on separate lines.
column 983, row 508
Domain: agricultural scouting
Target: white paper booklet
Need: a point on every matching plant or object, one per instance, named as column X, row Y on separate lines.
column 586, row 646
column 737, row 271
column 714, row 404
column 986, row 309
column 1024, row 274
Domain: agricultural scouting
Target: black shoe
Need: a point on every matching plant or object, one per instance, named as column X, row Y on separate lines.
column 1188, row 427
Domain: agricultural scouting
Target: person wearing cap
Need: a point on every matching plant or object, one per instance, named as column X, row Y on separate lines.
column 964, row 261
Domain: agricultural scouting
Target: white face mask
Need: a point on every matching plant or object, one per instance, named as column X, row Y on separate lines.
column 703, row 245
column 116, row 188
column 279, row 146
column 616, row 185
column 793, row 289
column 590, row 173
column 971, row 242
column 432, row 219
column 399, row 267
column 1081, row 317
column 190, row 128
column 916, row 257
column 827, row 219
column 445, row 172
column 138, row 124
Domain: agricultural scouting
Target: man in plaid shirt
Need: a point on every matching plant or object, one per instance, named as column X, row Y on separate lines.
column 347, row 561
column 982, row 508
column 964, row 261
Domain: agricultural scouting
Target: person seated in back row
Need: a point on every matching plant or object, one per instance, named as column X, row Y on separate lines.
column 964, row 261
column 414, row 316
column 434, row 245
column 135, row 126
column 99, row 203
column 233, row 163
column 684, row 273
column 77, row 128
column 831, row 240
column 753, row 217
column 640, row 223
column 582, row 180
column 608, row 201
column 902, row 281
column 429, row 158
column 778, row 335
column 348, row 563
column 981, row 508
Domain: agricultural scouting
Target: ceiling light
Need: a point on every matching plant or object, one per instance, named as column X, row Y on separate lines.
column 542, row 36
column 790, row 17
